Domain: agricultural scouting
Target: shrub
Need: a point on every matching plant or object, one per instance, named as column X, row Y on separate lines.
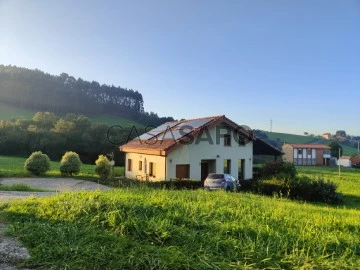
column 282, row 169
column 38, row 163
column 172, row 184
column 70, row 163
column 103, row 167
column 303, row 188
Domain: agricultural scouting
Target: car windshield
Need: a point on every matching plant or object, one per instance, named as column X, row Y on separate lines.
column 215, row 176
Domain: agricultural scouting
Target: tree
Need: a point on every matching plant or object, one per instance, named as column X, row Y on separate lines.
column 70, row 163
column 334, row 151
column 38, row 163
column 340, row 133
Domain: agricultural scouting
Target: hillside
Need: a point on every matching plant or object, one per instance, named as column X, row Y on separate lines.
column 280, row 138
column 38, row 91
column 8, row 112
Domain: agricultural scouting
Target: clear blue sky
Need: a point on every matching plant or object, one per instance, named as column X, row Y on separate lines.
column 296, row 62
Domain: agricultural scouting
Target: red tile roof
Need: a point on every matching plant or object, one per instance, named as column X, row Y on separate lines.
column 309, row 146
column 355, row 160
column 158, row 145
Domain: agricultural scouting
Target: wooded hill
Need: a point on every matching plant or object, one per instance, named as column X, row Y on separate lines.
column 39, row 91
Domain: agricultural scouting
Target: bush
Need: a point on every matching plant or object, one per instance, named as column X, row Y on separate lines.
column 70, row 163
column 38, row 163
column 282, row 169
column 303, row 188
column 172, row 184
column 103, row 167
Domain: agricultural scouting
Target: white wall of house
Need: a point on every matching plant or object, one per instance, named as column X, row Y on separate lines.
column 144, row 172
column 194, row 153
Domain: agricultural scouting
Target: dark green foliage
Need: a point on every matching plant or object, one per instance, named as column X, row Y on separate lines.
column 54, row 136
column 285, row 170
column 301, row 187
column 70, row 163
column 334, row 151
column 172, row 184
column 103, row 167
column 39, row 91
column 38, row 163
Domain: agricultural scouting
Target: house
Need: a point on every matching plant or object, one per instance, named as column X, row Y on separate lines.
column 190, row 149
column 344, row 161
column 307, row 154
column 326, row 136
column 355, row 160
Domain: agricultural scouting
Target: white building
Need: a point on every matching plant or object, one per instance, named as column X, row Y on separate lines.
column 344, row 161
column 190, row 149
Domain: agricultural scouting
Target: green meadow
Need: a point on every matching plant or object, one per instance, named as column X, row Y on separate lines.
column 146, row 228
column 14, row 167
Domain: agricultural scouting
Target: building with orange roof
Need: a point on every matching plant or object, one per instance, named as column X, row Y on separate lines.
column 307, row 154
column 191, row 149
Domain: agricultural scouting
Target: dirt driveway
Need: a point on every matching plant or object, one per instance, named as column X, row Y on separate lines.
column 54, row 185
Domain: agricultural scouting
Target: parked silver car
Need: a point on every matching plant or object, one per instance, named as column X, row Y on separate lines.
column 221, row 181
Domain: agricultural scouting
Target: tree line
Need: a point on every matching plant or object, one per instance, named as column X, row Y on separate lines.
column 39, row 91
column 56, row 135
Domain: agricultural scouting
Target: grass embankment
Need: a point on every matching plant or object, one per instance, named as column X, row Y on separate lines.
column 14, row 167
column 20, row 187
column 159, row 229
column 348, row 182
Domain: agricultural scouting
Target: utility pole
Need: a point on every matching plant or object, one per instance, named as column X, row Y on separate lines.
column 270, row 125
column 339, row 165
column 358, row 146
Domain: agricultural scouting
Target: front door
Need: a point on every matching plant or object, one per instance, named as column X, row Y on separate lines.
column 204, row 170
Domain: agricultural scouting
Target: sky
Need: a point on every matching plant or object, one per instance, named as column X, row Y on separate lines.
column 295, row 63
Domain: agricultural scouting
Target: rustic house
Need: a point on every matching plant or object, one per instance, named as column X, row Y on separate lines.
column 190, row 149
column 307, row 154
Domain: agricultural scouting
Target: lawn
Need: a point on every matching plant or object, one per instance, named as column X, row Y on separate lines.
column 144, row 228
column 14, row 167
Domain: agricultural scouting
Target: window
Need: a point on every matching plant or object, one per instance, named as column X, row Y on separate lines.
column 129, row 168
column 227, row 165
column 140, row 165
column 227, row 140
column 308, row 152
column 300, row 151
column 152, row 169
column 183, row 171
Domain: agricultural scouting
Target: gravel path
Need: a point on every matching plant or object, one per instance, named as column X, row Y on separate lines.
column 11, row 251
column 54, row 185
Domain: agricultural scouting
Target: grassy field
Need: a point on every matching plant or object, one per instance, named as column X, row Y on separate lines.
column 348, row 182
column 292, row 138
column 143, row 228
column 159, row 229
column 14, row 167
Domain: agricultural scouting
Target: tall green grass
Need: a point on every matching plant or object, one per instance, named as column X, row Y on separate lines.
column 144, row 228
